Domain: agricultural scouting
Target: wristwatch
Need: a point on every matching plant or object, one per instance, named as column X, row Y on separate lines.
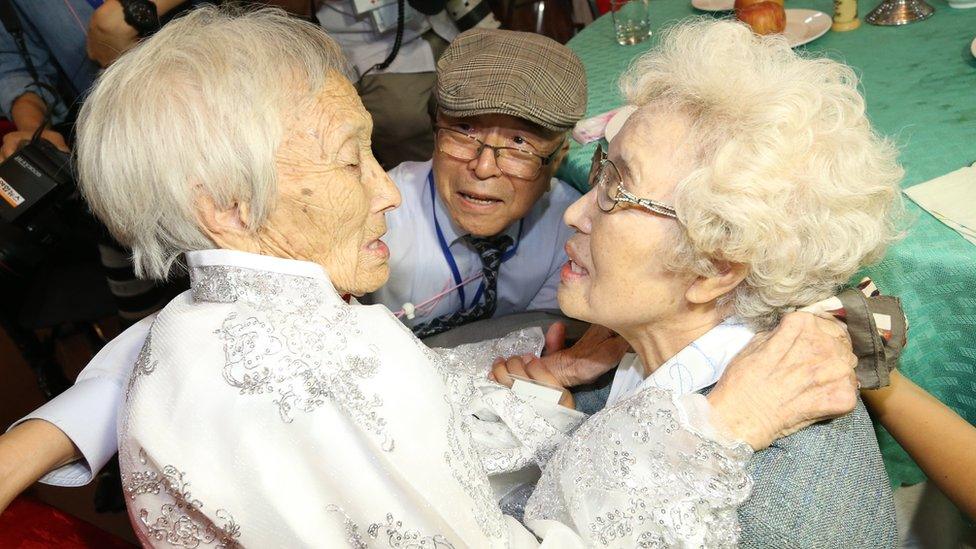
column 141, row 15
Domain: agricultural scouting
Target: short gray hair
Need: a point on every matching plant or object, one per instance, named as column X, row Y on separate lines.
column 789, row 177
column 199, row 107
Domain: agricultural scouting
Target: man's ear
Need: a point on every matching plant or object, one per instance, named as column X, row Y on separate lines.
column 706, row 289
column 227, row 227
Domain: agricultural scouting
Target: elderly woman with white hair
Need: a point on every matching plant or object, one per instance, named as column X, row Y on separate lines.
column 267, row 408
column 747, row 183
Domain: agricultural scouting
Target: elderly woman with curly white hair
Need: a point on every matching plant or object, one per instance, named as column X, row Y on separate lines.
column 748, row 183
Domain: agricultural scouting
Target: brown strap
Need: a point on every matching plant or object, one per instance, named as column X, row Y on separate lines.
column 877, row 350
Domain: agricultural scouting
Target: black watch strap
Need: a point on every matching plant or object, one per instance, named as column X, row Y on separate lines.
column 141, row 15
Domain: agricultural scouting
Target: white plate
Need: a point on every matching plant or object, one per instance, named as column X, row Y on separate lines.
column 713, row 5
column 802, row 26
column 617, row 122
column 805, row 26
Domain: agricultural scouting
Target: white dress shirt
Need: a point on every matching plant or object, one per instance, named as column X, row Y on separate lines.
column 528, row 280
column 419, row 268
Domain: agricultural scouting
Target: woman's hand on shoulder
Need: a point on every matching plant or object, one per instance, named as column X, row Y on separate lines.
column 800, row 373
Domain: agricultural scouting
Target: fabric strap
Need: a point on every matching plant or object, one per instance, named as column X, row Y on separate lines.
column 878, row 328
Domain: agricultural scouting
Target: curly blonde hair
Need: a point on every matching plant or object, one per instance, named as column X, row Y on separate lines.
column 789, row 178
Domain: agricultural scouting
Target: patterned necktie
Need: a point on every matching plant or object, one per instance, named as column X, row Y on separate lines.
column 490, row 249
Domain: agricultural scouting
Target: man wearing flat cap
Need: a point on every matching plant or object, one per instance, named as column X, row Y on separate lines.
column 480, row 232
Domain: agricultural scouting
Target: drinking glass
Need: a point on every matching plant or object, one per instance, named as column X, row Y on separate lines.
column 631, row 21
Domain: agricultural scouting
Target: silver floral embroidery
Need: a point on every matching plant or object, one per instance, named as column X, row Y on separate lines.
column 292, row 349
column 538, row 438
column 475, row 358
column 226, row 284
column 467, row 469
column 181, row 521
column 464, row 370
column 392, row 531
column 353, row 537
column 144, row 365
column 675, row 485
column 462, row 458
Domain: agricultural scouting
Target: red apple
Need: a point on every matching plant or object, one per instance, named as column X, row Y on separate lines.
column 765, row 17
column 739, row 4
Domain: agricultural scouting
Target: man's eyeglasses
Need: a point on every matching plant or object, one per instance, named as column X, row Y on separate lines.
column 606, row 179
column 512, row 161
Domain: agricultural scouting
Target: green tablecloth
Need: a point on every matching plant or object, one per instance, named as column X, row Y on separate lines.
column 920, row 85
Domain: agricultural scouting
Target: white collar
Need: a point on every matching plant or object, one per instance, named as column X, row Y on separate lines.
column 697, row 366
column 228, row 275
column 257, row 262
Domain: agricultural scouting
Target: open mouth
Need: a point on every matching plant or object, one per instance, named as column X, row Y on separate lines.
column 377, row 247
column 572, row 270
column 477, row 199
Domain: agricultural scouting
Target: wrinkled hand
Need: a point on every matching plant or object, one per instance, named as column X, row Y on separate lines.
column 532, row 368
column 14, row 140
column 783, row 381
column 109, row 36
column 592, row 356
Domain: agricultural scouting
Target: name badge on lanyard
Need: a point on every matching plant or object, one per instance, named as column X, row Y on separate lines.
column 449, row 257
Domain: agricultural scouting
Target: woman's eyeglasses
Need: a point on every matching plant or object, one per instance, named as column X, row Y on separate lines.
column 512, row 161
column 606, row 179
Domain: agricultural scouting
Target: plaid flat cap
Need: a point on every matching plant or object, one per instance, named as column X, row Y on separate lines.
column 530, row 76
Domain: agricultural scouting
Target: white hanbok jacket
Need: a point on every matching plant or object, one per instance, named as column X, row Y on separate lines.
column 264, row 411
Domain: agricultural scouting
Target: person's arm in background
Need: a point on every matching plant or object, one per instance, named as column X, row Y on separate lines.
column 942, row 443
column 21, row 100
column 109, row 36
column 73, row 436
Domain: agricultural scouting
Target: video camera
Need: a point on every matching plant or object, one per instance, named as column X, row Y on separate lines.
column 37, row 210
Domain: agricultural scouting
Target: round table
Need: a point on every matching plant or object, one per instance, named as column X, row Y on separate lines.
column 920, row 84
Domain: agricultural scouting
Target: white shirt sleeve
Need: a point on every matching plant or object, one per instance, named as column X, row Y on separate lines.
column 86, row 413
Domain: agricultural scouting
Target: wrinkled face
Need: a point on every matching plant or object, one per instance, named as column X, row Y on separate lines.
column 480, row 198
column 332, row 194
column 615, row 276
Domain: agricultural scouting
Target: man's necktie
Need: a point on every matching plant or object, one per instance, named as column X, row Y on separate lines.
column 490, row 249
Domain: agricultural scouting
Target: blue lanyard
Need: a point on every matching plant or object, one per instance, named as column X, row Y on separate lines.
column 449, row 257
column 95, row 3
